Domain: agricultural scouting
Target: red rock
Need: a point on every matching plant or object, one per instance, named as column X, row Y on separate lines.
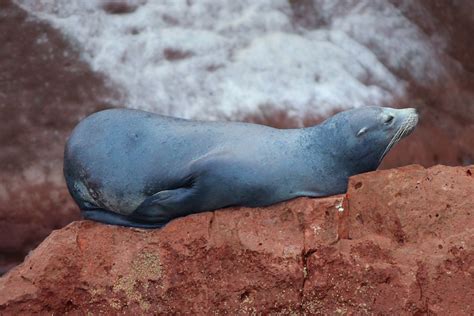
column 407, row 227
column 400, row 242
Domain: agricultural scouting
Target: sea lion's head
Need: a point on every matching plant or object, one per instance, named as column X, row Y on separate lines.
column 370, row 132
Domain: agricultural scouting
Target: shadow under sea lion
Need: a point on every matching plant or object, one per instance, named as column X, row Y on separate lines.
column 135, row 168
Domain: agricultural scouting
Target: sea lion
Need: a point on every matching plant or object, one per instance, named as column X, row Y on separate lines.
column 135, row 168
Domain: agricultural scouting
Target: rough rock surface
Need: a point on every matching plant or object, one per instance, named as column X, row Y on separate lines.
column 400, row 242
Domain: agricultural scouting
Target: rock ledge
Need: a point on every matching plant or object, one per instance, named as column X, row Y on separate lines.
column 400, row 241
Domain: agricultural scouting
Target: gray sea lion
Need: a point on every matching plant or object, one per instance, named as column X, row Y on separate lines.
column 135, row 168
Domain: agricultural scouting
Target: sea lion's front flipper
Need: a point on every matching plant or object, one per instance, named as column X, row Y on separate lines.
column 166, row 205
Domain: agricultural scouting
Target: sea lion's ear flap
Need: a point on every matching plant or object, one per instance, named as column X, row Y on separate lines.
column 361, row 131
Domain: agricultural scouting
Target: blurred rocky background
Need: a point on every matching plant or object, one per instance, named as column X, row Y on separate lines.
column 281, row 63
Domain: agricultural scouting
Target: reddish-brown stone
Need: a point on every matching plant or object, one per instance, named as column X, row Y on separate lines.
column 400, row 242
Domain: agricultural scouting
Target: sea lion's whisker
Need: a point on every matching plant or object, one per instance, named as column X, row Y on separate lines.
column 392, row 142
column 404, row 129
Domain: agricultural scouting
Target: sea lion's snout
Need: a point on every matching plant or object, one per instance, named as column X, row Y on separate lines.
column 410, row 112
column 409, row 121
column 404, row 122
column 404, row 125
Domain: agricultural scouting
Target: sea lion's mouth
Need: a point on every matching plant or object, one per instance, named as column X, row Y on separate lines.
column 405, row 129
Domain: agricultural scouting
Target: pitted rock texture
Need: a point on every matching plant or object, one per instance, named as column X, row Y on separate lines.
column 400, row 242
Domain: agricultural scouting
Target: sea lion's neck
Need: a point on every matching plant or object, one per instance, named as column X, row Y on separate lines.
column 327, row 140
column 328, row 149
column 323, row 140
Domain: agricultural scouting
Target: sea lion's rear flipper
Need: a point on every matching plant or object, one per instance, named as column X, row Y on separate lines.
column 107, row 217
column 166, row 205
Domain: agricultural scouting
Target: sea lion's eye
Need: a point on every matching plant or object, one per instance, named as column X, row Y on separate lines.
column 388, row 119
